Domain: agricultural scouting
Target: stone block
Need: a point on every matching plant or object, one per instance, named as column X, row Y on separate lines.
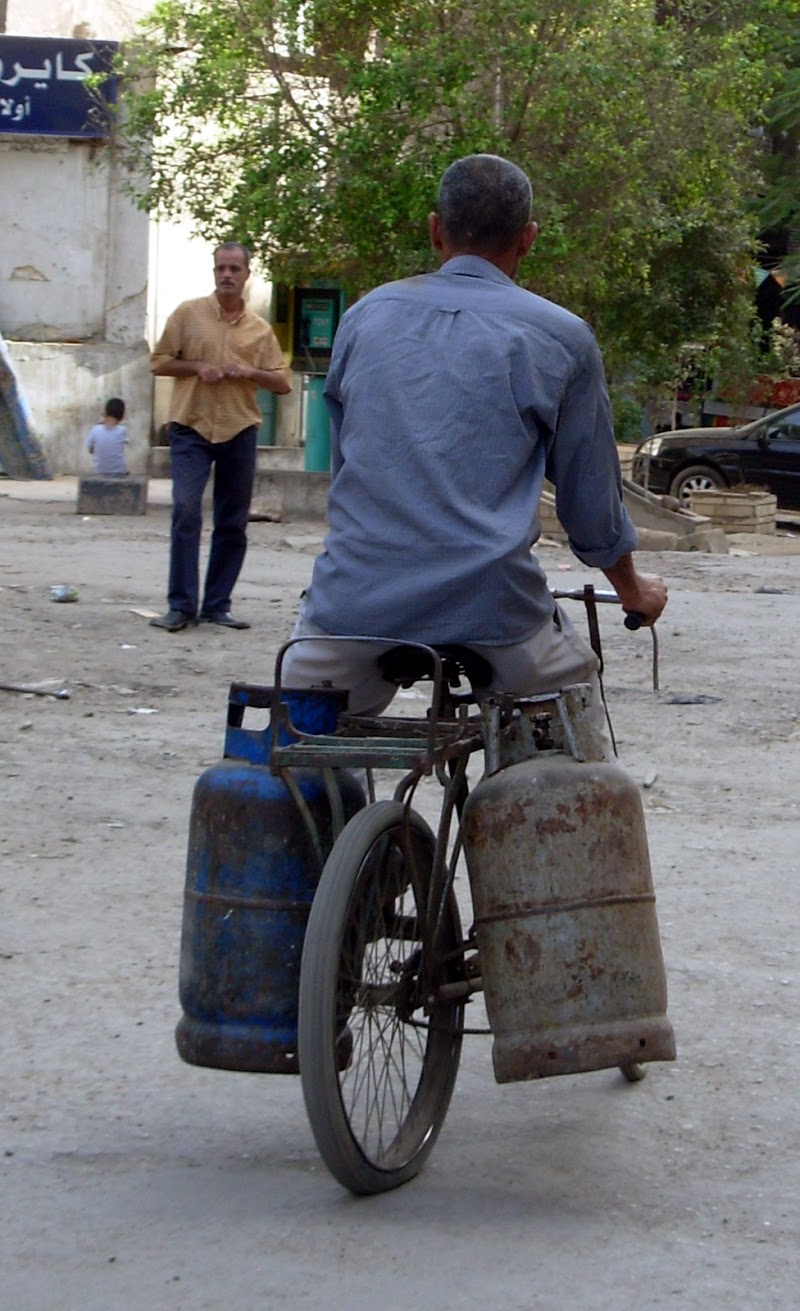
column 289, row 494
column 737, row 510
column 159, row 464
column 97, row 495
column 711, row 540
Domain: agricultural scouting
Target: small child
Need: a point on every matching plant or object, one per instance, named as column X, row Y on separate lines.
column 107, row 441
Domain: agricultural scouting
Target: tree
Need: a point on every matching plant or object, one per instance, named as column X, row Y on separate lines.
column 317, row 132
column 777, row 206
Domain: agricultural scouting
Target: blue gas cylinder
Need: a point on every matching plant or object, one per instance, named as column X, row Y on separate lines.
column 251, row 874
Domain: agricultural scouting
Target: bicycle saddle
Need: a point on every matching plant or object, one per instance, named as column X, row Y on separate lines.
column 404, row 665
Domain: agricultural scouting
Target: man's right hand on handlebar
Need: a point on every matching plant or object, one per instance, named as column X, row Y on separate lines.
column 641, row 594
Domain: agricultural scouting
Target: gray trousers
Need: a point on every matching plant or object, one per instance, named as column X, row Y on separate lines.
column 555, row 657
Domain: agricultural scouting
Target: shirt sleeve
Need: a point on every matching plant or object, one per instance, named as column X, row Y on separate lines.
column 170, row 344
column 583, row 465
column 271, row 356
column 90, row 441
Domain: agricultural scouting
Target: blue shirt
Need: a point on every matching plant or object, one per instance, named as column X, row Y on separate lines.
column 452, row 396
column 107, row 445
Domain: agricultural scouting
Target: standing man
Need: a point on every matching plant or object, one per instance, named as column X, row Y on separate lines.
column 452, row 397
column 219, row 354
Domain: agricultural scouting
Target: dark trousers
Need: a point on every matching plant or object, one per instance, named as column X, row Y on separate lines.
column 234, row 464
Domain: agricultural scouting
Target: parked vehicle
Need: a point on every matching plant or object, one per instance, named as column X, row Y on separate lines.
column 764, row 453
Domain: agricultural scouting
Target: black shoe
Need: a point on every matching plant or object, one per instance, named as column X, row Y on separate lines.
column 224, row 619
column 173, row 621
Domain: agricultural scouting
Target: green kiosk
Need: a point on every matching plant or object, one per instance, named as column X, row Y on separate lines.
column 305, row 320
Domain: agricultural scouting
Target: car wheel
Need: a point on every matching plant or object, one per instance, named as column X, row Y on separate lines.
column 697, row 478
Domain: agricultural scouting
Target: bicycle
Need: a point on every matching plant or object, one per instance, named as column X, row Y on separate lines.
column 387, row 971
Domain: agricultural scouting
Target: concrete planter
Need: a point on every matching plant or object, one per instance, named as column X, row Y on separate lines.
column 737, row 511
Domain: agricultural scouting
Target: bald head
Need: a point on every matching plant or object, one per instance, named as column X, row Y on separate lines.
column 484, row 204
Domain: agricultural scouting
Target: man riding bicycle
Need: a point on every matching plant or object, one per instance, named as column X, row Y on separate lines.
column 452, row 396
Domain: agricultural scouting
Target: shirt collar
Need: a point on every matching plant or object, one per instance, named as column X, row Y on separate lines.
column 474, row 266
column 218, row 309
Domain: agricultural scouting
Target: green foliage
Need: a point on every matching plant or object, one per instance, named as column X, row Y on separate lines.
column 317, row 133
column 776, row 204
column 628, row 416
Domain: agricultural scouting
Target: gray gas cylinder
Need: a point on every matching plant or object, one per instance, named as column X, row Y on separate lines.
column 565, row 915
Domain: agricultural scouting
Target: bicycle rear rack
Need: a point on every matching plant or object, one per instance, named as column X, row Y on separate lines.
column 385, row 742
column 376, row 744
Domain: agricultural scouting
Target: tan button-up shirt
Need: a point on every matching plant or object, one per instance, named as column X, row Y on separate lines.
column 196, row 330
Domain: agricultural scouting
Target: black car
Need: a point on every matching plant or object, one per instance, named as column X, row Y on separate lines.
column 764, row 453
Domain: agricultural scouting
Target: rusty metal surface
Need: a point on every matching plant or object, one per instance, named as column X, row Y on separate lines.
column 580, row 1049
column 565, row 917
column 383, row 743
column 509, row 730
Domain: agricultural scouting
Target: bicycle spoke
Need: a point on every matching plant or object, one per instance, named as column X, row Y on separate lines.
column 377, row 1105
column 392, row 1053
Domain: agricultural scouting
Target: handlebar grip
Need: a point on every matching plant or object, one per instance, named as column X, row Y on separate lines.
column 633, row 620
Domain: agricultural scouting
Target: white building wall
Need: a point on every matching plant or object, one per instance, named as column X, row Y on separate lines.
column 54, row 253
column 112, row 19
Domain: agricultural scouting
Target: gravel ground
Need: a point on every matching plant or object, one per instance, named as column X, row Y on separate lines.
column 133, row 1181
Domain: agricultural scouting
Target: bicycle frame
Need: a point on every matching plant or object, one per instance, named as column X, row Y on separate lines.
column 506, row 729
column 386, row 968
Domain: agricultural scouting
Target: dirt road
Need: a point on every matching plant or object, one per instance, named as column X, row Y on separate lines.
column 133, row 1181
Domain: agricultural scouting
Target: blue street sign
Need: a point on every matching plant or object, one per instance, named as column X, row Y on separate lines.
column 43, row 91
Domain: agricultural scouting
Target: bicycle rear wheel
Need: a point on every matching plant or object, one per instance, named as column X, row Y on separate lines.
column 378, row 1063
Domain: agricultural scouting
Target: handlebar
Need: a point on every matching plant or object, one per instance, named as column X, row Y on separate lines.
column 633, row 619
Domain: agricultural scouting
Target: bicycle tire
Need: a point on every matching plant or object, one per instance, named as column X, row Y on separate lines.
column 377, row 1073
